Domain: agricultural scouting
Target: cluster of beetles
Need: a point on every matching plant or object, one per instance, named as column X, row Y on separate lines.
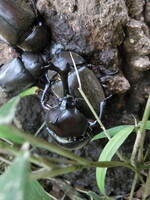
column 20, row 27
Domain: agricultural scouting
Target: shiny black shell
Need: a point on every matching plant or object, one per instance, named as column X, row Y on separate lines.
column 19, row 74
column 13, row 76
column 16, row 17
column 66, row 125
column 18, row 23
column 63, row 58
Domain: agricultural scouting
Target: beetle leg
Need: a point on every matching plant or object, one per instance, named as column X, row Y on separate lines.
column 44, row 105
column 101, row 108
column 93, row 124
column 102, row 105
column 47, row 86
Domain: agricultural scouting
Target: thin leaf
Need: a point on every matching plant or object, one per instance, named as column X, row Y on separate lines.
column 36, row 192
column 30, row 91
column 9, row 132
column 20, row 134
column 108, row 152
column 78, row 198
column 94, row 196
column 14, row 182
column 112, row 131
column 7, row 111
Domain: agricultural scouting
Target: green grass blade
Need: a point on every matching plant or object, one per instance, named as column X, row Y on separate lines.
column 112, row 131
column 14, row 182
column 93, row 195
column 36, row 192
column 7, row 111
column 30, row 91
column 108, row 152
column 10, row 133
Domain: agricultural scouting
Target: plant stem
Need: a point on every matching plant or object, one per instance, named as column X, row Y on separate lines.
column 47, row 162
column 41, row 127
column 133, row 187
column 36, row 160
column 21, row 135
column 44, row 173
column 55, row 149
column 54, row 172
column 147, row 152
column 141, row 135
column 146, row 186
column 112, row 164
column 140, row 152
column 142, row 129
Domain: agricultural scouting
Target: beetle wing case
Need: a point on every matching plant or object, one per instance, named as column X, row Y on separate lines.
column 16, row 17
column 19, row 26
column 33, row 64
column 14, row 77
column 36, row 40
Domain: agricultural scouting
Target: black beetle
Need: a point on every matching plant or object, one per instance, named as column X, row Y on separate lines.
column 67, row 126
column 21, row 73
column 19, row 26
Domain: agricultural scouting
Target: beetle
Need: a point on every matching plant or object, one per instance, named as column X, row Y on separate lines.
column 20, row 26
column 22, row 72
column 66, row 124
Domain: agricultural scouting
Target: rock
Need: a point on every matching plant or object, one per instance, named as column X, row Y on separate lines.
column 136, row 8
column 141, row 63
column 85, row 26
column 147, row 11
column 137, row 41
column 117, row 84
column 106, row 60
